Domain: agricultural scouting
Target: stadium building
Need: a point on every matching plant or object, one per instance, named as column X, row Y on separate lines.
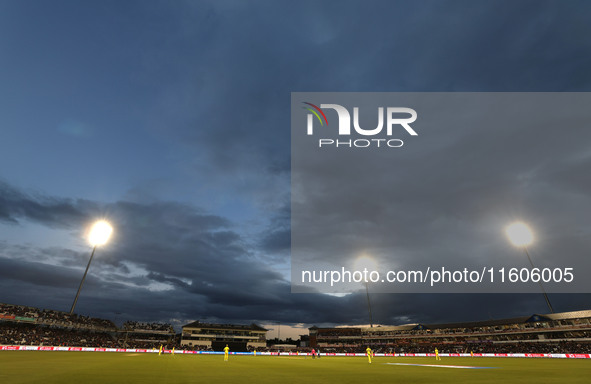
column 567, row 331
column 146, row 335
column 239, row 338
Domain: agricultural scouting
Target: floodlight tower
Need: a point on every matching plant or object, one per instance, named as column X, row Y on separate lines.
column 365, row 262
column 99, row 235
column 368, row 303
column 521, row 236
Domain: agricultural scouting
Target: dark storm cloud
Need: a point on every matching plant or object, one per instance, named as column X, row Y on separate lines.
column 276, row 239
column 242, row 86
column 163, row 241
column 41, row 274
column 165, row 260
column 447, row 308
column 58, row 212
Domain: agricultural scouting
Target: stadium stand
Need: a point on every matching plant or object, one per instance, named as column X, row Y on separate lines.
column 18, row 313
column 147, row 335
column 42, row 335
column 216, row 336
column 568, row 332
column 21, row 325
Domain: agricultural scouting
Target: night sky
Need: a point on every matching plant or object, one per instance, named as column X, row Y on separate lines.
column 171, row 119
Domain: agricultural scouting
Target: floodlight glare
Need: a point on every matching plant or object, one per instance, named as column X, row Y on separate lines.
column 100, row 233
column 365, row 262
column 519, row 234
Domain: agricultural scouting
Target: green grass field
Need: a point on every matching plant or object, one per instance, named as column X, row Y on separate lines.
column 88, row 367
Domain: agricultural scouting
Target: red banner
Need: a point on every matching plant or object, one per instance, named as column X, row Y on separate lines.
column 86, row 349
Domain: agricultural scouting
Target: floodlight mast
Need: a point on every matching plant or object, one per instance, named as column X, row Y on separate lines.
column 82, row 281
column 368, row 303
column 99, row 235
column 540, row 282
column 367, row 263
column 521, row 236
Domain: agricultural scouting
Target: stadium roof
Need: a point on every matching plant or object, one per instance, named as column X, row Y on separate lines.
column 404, row 327
column 475, row 324
column 515, row 320
column 482, row 323
column 198, row 324
column 569, row 315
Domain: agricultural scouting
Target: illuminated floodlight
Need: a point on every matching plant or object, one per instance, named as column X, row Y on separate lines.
column 519, row 234
column 365, row 262
column 100, row 233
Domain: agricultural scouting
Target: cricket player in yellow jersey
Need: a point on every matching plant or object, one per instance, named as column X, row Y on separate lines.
column 369, row 352
column 160, row 350
column 226, row 350
column 437, row 355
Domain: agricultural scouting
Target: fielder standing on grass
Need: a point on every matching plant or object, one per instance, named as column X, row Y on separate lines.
column 437, row 355
column 226, row 350
column 369, row 353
